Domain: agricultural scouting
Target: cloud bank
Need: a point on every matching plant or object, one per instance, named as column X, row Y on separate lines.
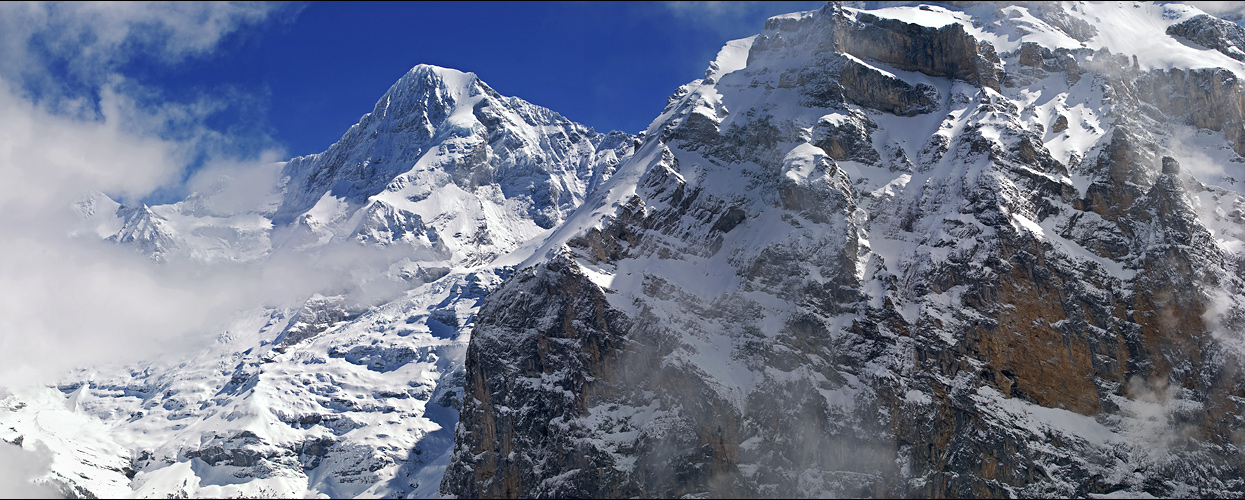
column 72, row 123
column 17, row 468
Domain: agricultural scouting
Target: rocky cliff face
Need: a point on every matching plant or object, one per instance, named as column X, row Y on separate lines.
column 918, row 251
column 1213, row 33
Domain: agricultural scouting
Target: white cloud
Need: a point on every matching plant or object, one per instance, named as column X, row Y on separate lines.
column 712, row 8
column 232, row 186
column 68, row 301
column 734, row 19
column 92, row 38
column 45, row 155
column 71, row 301
column 17, row 469
column 1226, row 10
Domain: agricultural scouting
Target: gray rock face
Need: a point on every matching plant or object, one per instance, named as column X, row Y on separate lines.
column 572, row 342
column 848, row 140
column 1205, row 98
column 785, row 303
column 845, row 80
column 948, row 51
column 1213, row 33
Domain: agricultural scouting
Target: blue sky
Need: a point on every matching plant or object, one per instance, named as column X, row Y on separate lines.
column 303, row 77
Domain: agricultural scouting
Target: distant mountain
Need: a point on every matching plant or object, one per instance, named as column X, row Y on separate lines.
column 955, row 250
column 340, row 395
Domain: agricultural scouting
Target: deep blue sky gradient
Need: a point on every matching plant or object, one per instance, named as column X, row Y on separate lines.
column 304, row 79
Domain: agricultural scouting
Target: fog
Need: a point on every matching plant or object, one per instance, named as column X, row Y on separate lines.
column 17, row 466
column 70, row 125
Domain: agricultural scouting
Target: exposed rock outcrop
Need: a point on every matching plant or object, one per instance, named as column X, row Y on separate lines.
column 1213, row 33
column 948, row 51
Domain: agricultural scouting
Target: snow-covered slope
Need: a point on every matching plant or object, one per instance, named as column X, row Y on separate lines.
column 930, row 251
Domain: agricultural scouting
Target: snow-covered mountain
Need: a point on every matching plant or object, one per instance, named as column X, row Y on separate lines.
column 443, row 164
column 346, row 393
column 966, row 249
column 940, row 251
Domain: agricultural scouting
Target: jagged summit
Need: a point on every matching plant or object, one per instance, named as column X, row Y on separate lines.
column 442, row 163
column 428, row 105
column 437, row 71
column 436, row 142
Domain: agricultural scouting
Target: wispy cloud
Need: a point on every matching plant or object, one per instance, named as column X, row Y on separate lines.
column 1227, row 10
column 51, row 44
column 71, row 123
column 734, row 19
column 18, row 467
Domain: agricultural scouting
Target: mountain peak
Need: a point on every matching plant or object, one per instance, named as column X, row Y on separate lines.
column 439, row 71
column 430, row 88
column 438, row 126
column 433, row 76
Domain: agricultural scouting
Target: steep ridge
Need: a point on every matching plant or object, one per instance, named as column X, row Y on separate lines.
column 444, row 150
column 347, row 392
column 973, row 251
